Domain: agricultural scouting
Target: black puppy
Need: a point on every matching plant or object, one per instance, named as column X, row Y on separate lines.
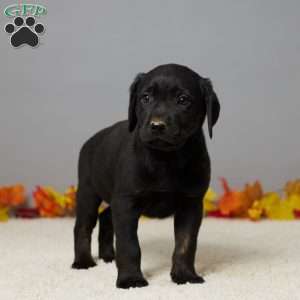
column 155, row 164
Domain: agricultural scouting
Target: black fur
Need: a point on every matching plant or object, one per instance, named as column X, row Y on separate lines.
column 155, row 164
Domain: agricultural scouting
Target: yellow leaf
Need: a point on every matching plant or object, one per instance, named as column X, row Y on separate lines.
column 277, row 209
column 3, row 214
column 209, row 200
column 294, row 201
column 255, row 212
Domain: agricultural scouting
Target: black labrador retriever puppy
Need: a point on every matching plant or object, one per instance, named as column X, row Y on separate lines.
column 155, row 164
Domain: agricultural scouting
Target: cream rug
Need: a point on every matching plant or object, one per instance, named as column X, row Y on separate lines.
column 238, row 259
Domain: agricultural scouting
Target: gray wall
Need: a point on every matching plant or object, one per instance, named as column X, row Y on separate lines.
column 56, row 96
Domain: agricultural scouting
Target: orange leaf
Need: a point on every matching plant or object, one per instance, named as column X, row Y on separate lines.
column 46, row 204
column 12, row 195
column 292, row 187
column 230, row 203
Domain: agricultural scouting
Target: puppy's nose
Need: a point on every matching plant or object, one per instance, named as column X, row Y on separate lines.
column 157, row 126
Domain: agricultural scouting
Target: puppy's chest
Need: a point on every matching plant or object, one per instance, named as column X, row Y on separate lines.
column 163, row 177
column 157, row 204
column 168, row 178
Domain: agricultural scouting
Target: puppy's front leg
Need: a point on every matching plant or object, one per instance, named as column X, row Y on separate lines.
column 128, row 252
column 187, row 221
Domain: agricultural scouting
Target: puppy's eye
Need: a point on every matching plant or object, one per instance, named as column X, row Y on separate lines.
column 145, row 99
column 183, row 100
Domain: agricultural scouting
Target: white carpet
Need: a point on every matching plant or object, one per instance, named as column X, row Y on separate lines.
column 238, row 259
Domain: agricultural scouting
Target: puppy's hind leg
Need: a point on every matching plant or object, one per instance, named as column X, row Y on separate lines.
column 106, row 236
column 86, row 219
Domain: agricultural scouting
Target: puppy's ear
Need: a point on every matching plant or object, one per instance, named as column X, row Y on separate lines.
column 212, row 104
column 132, row 119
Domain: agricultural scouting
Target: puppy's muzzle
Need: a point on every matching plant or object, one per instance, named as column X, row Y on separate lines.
column 157, row 126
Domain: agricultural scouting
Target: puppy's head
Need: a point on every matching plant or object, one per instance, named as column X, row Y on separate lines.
column 169, row 104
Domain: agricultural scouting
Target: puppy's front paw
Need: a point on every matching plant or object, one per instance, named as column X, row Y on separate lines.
column 107, row 256
column 181, row 277
column 84, row 263
column 126, row 282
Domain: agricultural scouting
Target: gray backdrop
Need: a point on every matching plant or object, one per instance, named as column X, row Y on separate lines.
column 56, row 96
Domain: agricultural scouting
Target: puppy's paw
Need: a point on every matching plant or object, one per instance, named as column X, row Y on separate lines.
column 108, row 256
column 126, row 282
column 185, row 277
column 84, row 263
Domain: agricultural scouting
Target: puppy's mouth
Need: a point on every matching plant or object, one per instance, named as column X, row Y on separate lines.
column 162, row 144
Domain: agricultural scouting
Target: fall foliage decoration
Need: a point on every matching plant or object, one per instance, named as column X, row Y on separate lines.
column 10, row 198
column 250, row 203
column 51, row 203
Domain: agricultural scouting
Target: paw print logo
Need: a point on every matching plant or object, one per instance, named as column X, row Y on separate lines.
column 24, row 32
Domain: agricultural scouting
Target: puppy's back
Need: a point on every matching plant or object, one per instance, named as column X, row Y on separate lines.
column 98, row 151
